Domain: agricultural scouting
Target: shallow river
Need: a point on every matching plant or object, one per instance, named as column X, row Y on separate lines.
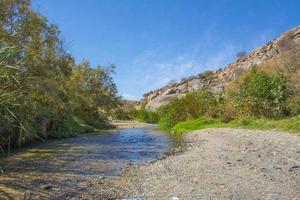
column 66, row 167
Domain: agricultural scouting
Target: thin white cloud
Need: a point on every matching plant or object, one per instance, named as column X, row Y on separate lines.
column 163, row 72
column 158, row 71
column 221, row 58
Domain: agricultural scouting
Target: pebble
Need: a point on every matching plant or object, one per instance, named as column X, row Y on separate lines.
column 293, row 168
column 48, row 187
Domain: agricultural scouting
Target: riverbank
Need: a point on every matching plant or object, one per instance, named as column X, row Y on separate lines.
column 68, row 168
column 213, row 164
column 222, row 164
column 121, row 124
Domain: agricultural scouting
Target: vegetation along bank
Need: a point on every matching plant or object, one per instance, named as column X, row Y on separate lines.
column 43, row 92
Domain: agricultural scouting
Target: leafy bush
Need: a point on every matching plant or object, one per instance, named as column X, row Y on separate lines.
column 190, row 106
column 94, row 122
column 262, row 94
column 293, row 106
column 229, row 110
column 123, row 114
column 144, row 115
column 69, row 126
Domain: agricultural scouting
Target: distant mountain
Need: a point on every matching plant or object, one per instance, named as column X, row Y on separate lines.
column 285, row 46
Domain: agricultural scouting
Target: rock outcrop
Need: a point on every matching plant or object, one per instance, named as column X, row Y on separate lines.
column 216, row 80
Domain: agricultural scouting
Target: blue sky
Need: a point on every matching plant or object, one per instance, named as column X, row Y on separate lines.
column 154, row 41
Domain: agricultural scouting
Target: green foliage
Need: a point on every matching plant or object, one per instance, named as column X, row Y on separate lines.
column 293, row 105
column 190, row 106
column 262, row 94
column 67, row 127
column 228, row 110
column 123, row 114
column 196, row 124
column 144, row 115
column 290, row 124
column 95, row 123
column 42, row 90
column 93, row 88
column 259, row 99
column 15, row 114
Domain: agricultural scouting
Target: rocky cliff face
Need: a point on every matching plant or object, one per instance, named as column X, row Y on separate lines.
column 216, row 80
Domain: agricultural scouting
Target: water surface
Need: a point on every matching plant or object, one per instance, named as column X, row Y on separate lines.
column 66, row 166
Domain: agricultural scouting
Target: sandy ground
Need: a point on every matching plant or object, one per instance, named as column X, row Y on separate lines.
column 128, row 124
column 221, row 164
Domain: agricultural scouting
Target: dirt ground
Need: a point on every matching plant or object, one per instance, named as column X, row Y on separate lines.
column 222, row 164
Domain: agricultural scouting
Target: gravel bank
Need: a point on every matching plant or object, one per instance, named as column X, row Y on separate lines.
column 129, row 124
column 221, row 164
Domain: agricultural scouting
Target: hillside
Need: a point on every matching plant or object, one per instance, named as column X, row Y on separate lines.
column 219, row 79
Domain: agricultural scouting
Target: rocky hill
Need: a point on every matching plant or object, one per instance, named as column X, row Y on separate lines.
column 217, row 80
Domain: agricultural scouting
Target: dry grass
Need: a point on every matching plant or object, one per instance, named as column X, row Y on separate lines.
column 287, row 63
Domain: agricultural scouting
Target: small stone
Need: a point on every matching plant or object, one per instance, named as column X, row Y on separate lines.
column 277, row 167
column 263, row 169
column 293, row 167
column 48, row 187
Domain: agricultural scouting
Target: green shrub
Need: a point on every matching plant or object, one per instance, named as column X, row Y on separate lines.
column 123, row 114
column 293, row 106
column 262, row 94
column 95, row 123
column 258, row 96
column 69, row 126
column 229, row 111
column 166, row 121
column 190, row 106
column 144, row 115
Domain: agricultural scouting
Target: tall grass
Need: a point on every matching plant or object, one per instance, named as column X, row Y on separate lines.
column 143, row 115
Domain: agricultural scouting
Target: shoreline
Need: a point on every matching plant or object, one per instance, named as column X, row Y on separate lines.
column 128, row 124
column 215, row 163
column 68, row 168
column 218, row 163
column 110, row 126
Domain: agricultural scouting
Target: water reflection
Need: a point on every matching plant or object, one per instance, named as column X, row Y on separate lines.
column 68, row 164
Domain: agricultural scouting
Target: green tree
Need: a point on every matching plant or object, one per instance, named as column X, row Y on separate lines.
column 42, row 90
